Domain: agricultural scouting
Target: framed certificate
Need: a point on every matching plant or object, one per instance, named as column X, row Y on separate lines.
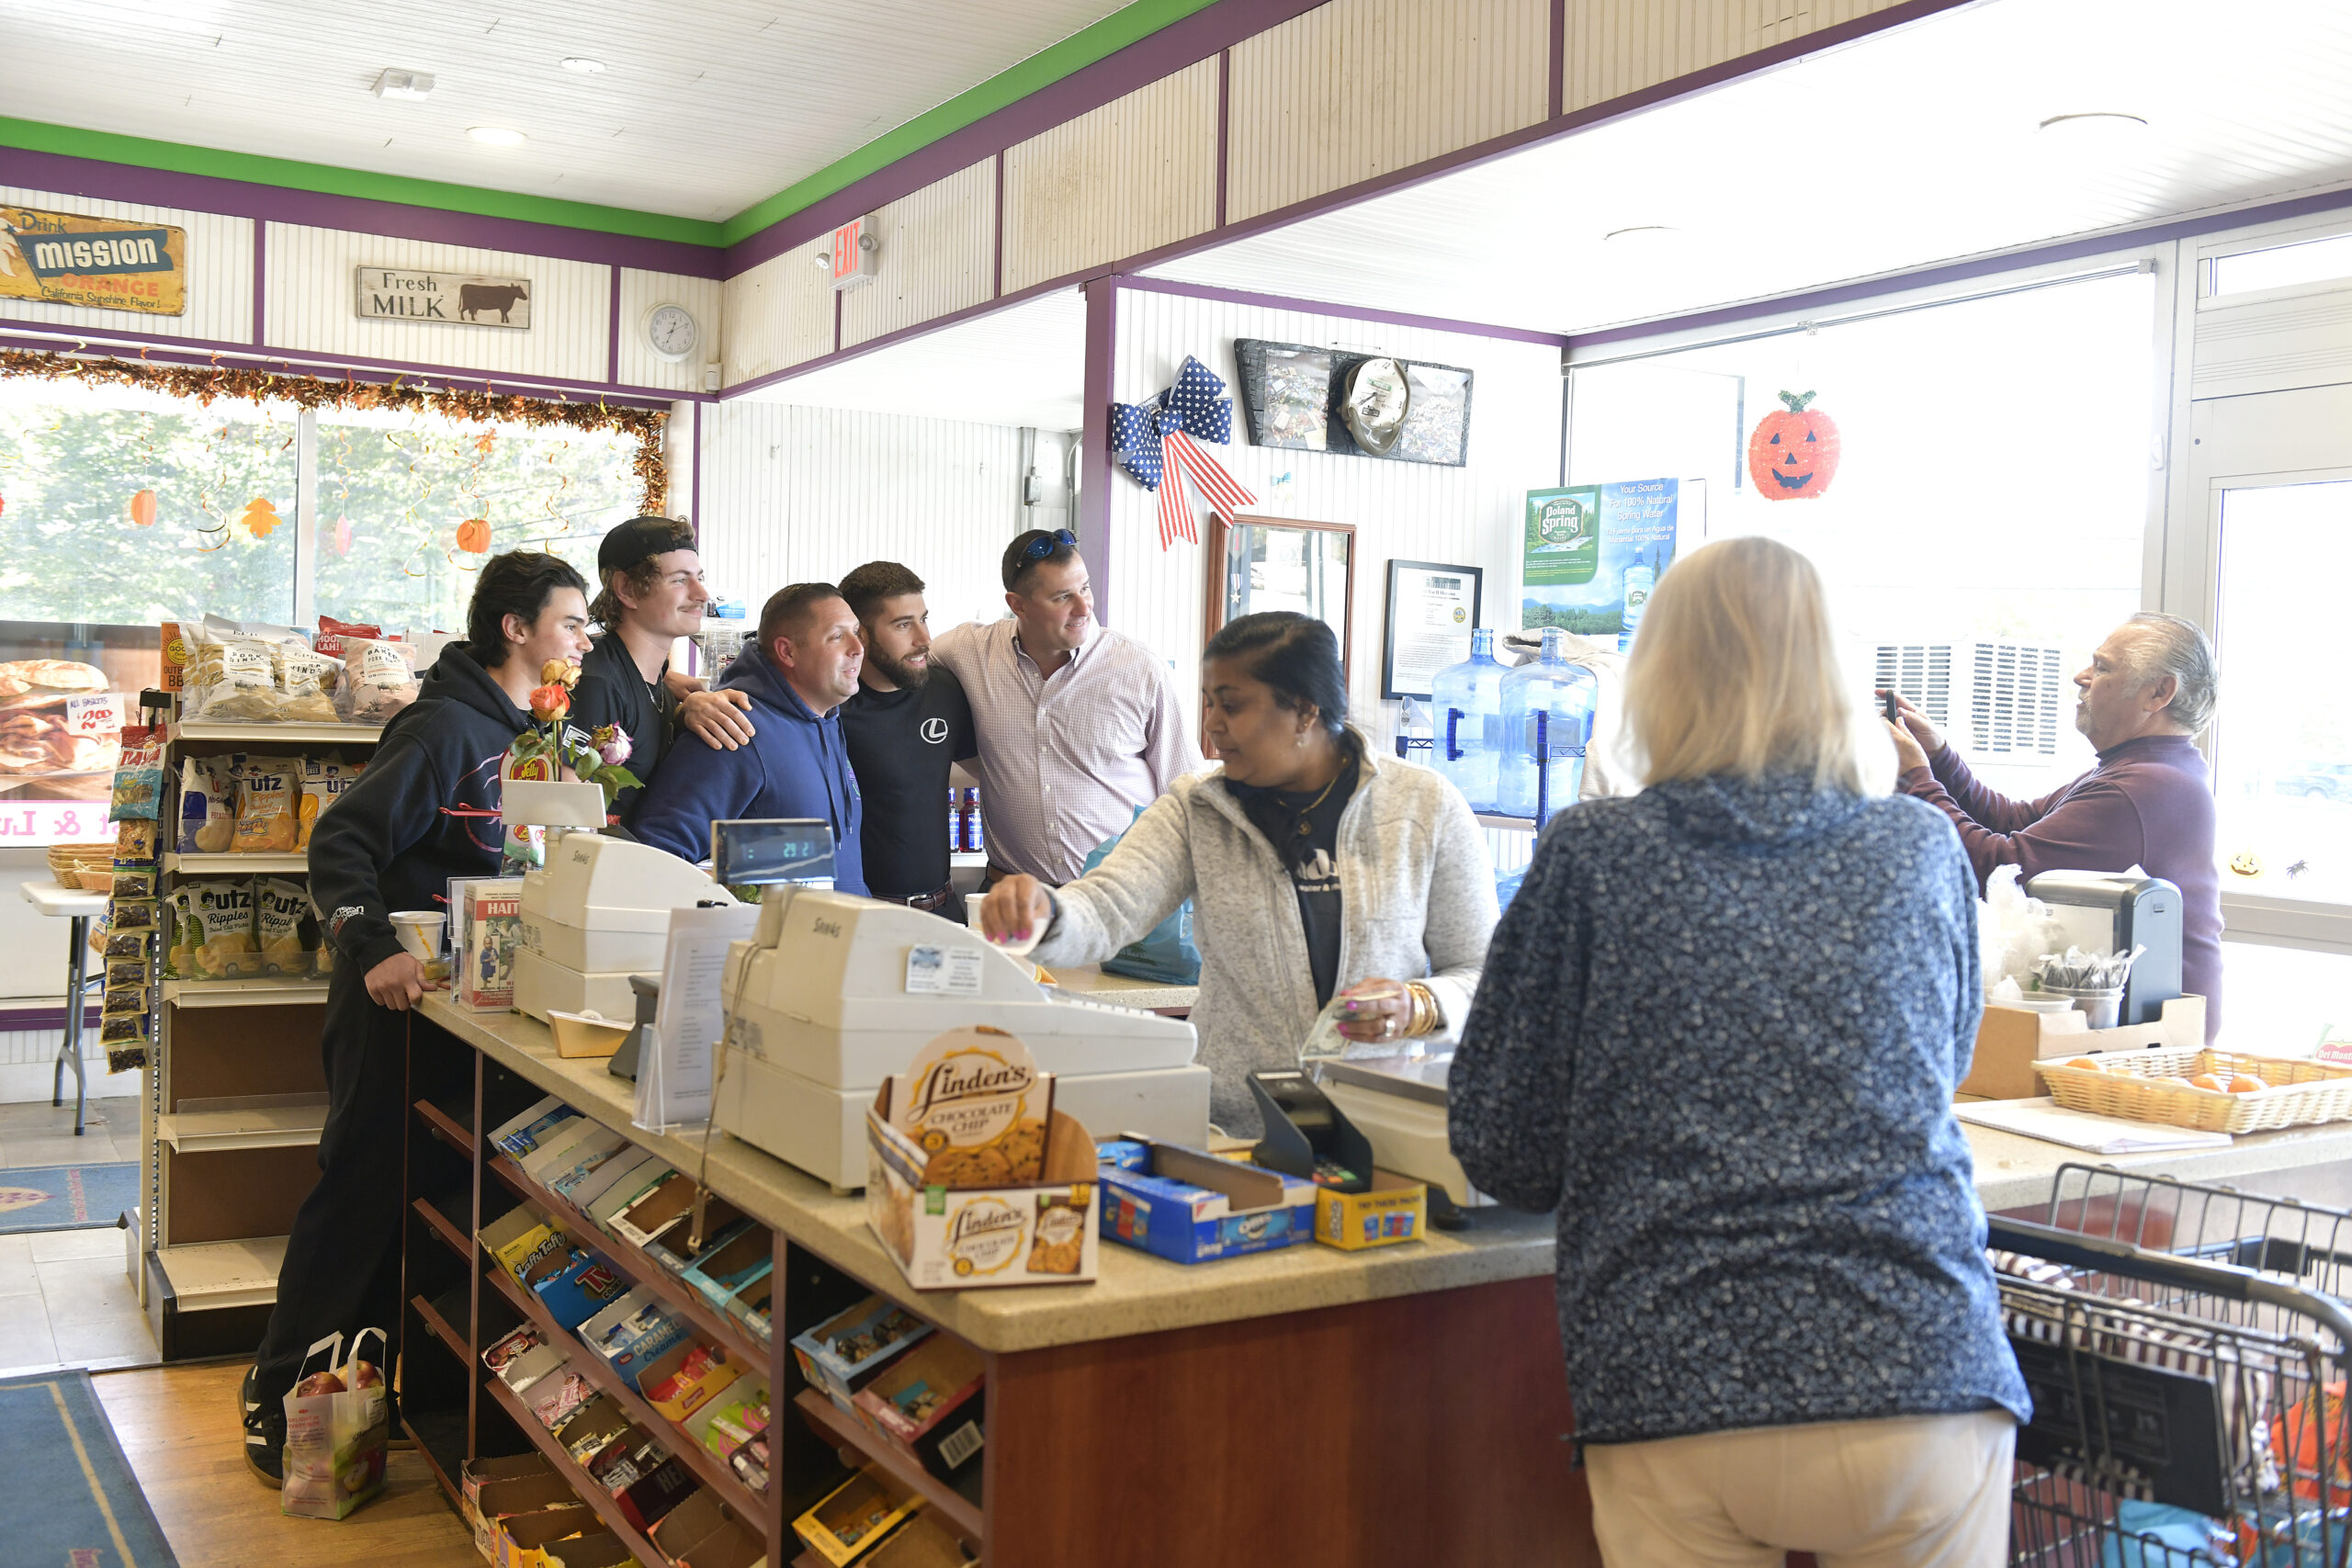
column 1433, row 609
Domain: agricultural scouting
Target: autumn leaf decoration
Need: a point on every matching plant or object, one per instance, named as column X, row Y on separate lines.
column 259, row 518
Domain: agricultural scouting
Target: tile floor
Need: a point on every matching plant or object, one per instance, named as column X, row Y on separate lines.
column 65, row 1298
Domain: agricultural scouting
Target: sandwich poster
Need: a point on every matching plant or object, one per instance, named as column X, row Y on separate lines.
column 61, row 258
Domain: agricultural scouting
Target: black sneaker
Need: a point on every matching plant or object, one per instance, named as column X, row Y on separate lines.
column 264, row 1427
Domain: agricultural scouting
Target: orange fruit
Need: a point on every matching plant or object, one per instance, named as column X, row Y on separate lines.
column 2207, row 1082
column 2083, row 1061
column 2246, row 1083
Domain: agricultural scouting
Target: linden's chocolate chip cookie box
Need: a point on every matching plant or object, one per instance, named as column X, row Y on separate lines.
column 972, row 1178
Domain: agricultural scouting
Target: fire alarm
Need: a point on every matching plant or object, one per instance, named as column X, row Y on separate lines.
column 854, row 255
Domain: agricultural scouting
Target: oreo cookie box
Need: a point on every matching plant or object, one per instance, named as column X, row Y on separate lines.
column 1189, row 1206
column 947, row 1231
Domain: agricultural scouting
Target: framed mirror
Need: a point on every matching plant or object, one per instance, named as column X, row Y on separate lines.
column 1284, row 563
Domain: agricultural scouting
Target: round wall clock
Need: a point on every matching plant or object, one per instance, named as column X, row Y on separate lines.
column 669, row 331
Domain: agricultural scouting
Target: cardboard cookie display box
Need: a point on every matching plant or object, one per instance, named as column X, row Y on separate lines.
column 931, row 1404
column 972, row 1178
column 2010, row 1040
column 1189, row 1206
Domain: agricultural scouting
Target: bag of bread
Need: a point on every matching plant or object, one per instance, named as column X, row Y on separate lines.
column 208, row 804
column 280, row 909
column 329, row 642
column 323, row 781
column 379, row 680
column 226, row 948
column 304, row 683
column 269, row 805
column 231, row 676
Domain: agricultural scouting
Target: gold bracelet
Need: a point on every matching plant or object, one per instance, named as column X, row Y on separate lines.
column 1425, row 1013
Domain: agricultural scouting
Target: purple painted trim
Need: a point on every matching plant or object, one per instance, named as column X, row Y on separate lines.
column 1557, row 67
column 1980, row 266
column 612, row 333
column 694, row 453
column 996, row 231
column 1094, row 448
column 1172, row 49
column 837, row 321
column 261, row 272
column 1322, row 308
column 263, row 204
column 43, row 1017
column 920, row 329
column 187, row 351
column 1223, row 123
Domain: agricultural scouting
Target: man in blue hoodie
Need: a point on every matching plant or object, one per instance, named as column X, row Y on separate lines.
column 797, row 676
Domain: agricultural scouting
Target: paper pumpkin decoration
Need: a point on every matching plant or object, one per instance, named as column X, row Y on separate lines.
column 259, row 518
column 1792, row 456
column 473, row 534
column 142, row 509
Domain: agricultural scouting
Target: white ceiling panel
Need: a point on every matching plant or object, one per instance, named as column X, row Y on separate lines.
column 1024, row 364
column 703, row 108
column 1891, row 153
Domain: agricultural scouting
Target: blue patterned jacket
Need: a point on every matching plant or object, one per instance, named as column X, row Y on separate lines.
column 1719, row 1031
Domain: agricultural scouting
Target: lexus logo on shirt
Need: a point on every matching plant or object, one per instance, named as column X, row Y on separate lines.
column 935, row 730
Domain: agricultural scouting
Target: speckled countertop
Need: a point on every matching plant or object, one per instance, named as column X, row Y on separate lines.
column 1138, row 1293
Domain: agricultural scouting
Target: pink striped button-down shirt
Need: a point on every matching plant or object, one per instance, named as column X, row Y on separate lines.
column 1064, row 762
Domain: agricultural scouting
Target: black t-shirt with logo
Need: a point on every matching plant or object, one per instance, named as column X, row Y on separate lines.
column 900, row 746
column 613, row 690
column 1316, row 875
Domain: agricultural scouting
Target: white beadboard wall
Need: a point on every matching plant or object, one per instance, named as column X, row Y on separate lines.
column 1615, row 47
column 777, row 315
column 219, row 273
column 794, row 495
column 1136, row 173
column 1358, row 88
column 309, row 294
column 1401, row 510
column 703, row 298
column 938, row 255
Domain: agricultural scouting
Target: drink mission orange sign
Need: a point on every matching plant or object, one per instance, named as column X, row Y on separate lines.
column 65, row 259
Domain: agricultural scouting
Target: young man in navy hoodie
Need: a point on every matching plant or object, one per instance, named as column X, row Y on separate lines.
column 425, row 810
column 803, row 668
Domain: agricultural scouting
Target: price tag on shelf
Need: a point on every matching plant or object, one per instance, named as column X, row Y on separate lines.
column 100, row 715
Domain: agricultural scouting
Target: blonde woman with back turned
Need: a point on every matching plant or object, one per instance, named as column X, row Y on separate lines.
column 1719, row 1032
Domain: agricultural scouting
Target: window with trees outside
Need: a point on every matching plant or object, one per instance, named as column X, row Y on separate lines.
column 122, row 508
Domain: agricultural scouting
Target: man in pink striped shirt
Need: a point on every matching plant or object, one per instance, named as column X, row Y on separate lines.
column 1078, row 725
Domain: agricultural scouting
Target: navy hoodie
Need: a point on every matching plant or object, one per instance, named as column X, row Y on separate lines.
column 797, row 765
column 425, row 810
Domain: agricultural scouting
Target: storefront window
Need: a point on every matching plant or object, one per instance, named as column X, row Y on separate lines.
column 1991, row 500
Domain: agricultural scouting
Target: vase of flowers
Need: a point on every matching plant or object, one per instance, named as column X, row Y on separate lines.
column 552, row 748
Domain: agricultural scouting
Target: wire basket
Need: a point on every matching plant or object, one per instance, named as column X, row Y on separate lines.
column 2124, row 1084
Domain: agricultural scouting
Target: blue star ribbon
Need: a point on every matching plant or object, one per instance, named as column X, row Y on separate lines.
column 1195, row 404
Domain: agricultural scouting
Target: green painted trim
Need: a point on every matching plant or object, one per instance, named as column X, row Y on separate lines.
column 1138, row 21
column 328, row 180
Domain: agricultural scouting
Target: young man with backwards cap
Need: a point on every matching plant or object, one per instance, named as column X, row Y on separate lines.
column 906, row 726
column 1078, row 727
column 650, row 593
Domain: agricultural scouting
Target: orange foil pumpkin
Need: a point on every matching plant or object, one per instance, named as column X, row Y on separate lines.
column 142, row 509
column 1793, row 454
column 473, row 534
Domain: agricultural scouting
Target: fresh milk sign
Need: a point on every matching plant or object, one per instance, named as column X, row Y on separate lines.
column 385, row 294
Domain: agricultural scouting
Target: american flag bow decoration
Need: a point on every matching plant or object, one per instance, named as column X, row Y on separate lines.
column 1160, row 440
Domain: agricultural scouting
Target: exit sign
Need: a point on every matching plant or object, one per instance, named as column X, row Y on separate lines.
column 856, row 254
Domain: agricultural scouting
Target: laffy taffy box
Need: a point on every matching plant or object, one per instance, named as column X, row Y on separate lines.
column 957, row 1226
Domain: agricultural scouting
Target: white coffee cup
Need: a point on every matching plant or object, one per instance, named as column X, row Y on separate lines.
column 420, row 932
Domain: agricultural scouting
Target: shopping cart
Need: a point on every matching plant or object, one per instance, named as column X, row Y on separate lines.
column 2186, row 1354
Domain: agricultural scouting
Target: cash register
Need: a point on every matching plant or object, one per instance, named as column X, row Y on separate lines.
column 598, row 912
column 835, row 992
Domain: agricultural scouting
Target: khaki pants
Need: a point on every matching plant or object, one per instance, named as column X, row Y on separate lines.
column 1913, row 1492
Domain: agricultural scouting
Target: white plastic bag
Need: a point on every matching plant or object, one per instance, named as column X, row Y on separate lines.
column 338, row 1434
column 2013, row 930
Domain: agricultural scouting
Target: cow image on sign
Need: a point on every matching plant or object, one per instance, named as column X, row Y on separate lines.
column 388, row 295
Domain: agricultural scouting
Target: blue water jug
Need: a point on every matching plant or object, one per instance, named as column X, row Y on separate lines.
column 1468, row 729
column 1547, row 724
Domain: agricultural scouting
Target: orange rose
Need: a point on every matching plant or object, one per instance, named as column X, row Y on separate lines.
column 549, row 703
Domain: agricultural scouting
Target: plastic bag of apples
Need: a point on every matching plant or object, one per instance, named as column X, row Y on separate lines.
column 338, row 1426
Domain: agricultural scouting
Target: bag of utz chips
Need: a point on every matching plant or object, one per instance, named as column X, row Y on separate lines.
column 338, row 1427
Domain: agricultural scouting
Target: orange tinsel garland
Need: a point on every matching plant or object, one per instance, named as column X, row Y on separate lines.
column 202, row 384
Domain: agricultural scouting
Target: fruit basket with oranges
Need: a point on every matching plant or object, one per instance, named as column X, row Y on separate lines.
column 2214, row 1091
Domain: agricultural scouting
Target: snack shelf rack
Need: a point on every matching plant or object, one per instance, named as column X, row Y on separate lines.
column 825, row 1419
column 234, row 1096
column 244, row 1121
column 587, row 1490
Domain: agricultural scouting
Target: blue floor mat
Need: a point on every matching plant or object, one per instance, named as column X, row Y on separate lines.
column 71, row 1497
column 66, row 1197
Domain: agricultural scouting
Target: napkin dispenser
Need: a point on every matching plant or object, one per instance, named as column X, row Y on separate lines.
column 2115, row 912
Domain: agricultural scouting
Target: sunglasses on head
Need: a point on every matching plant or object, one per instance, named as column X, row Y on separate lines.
column 1039, row 549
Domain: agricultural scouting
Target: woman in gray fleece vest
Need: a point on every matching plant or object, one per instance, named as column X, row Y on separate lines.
column 1719, row 1035
column 1314, row 869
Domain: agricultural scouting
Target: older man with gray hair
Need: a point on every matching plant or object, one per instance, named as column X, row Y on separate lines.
column 2148, row 693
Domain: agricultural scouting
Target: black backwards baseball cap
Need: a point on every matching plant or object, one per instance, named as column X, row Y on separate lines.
column 640, row 539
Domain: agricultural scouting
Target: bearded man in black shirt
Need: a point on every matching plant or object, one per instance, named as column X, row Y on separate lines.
column 906, row 726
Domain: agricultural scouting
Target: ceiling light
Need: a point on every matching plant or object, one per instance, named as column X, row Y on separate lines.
column 496, row 135
column 1642, row 234
column 579, row 64
column 2099, row 122
column 402, row 85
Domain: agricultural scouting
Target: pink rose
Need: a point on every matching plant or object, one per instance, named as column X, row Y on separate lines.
column 616, row 750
